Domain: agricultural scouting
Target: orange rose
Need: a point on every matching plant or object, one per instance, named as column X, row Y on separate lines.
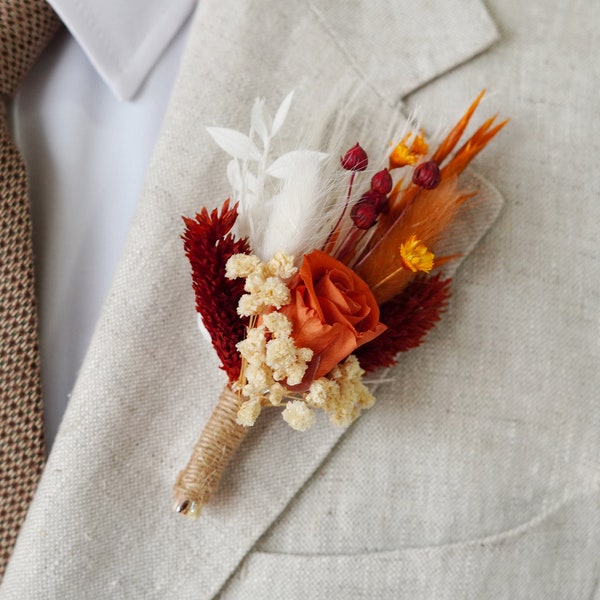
column 332, row 311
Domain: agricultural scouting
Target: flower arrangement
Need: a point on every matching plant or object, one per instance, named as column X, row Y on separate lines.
column 321, row 270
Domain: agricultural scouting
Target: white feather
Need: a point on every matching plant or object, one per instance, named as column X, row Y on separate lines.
column 291, row 222
column 287, row 163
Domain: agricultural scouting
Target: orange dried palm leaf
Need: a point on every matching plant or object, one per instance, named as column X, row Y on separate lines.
column 474, row 145
column 454, row 136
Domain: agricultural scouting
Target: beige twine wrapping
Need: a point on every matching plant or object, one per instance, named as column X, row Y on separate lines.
column 218, row 443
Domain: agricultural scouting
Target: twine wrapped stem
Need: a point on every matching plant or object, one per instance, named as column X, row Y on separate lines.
column 218, row 443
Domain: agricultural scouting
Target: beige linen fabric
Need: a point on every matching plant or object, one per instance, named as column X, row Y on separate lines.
column 490, row 487
column 476, row 473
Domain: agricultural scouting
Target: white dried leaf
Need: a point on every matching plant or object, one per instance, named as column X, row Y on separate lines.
column 235, row 143
column 258, row 122
column 236, row 180
column 202, row 328
column 281, row 113
column 234, row 175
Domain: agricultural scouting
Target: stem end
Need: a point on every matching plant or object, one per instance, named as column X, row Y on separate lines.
column 187, row 508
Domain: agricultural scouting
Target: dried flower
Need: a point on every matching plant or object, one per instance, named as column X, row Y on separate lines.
column 408, row 316
column 322, row 393
column 298, row 416
column 253, row 348
column 364, row 213
column 382, row 182
column 415, row 256
column 313, row 332
column 341, row 393
column 380, row 201
column 355, row 159
column 403, row 154
column 282, row 265
column 270, row 292
column 427, row 175
column 286, row 361
column 276, row 394
column 241, row 265
column 332, row 310
column 279, row 325
column 209, row 245
column 248, row 413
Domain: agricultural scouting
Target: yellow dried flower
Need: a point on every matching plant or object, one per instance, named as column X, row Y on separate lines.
column 272, row 292
column 419, row 145
column 415, row 256
column 403, row 154
column 344, row 415
column 365, row 398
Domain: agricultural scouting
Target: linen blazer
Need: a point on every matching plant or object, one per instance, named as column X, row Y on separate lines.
column 476, row 473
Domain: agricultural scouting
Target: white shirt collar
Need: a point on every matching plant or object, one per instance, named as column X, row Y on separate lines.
column 123, row 40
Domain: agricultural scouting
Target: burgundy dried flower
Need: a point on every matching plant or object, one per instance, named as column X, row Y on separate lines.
column 408, row 316
column 208, row 244
column 382, row 182
column 355, row 159
column 427, row 175
column 364, row 213
column 380, row 201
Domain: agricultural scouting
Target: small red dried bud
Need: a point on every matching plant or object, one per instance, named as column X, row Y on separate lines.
column 355, row 159
column 380, row 201
column 382, row 182
column 364, row 214
column 427, row 175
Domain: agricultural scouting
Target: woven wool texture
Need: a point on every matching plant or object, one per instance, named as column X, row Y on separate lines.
column 25, row 29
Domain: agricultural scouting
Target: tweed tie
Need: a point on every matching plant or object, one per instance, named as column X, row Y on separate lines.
column 26, row 26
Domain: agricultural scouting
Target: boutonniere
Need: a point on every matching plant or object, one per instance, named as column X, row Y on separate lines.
column 320, row 269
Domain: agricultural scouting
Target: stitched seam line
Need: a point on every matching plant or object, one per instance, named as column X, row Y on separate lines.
column 329, row 31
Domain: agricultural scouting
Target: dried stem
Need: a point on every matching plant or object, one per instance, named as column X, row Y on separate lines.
column 333, row 234
column 213, row 451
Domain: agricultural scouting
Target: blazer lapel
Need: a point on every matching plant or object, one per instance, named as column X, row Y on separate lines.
column 150, row 381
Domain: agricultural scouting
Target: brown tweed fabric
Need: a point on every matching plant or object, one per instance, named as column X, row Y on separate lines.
column 26, row 26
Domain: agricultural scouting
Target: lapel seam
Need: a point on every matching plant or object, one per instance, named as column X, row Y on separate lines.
column 322, row 21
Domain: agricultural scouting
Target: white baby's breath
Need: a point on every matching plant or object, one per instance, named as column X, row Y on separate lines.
column 298, row 416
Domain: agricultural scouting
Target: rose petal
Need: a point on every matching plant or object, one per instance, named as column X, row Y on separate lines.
column 332, row 311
